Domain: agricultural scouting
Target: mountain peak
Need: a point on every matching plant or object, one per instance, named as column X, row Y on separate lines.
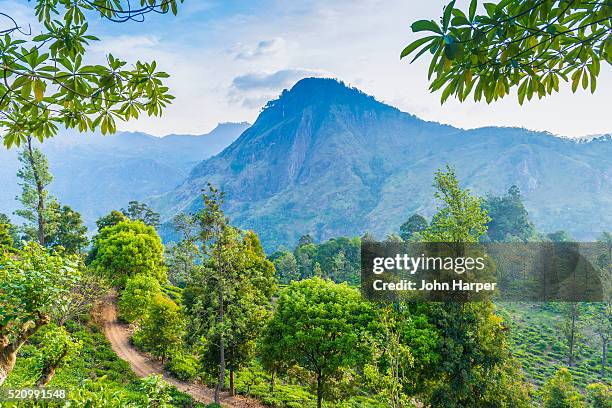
column 324, row 92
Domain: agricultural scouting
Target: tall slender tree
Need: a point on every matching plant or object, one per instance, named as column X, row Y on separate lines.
column 228, row 296
column 475, row 366
column 602, row 326
column 35, row 198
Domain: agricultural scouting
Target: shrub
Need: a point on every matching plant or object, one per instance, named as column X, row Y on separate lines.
column 136, row 298
column 599, row 395
column 559, row 391
column 183, row 366
column 161, row 331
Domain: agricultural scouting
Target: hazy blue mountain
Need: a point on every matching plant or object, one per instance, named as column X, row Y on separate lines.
column 95, row 174
column 330, row 160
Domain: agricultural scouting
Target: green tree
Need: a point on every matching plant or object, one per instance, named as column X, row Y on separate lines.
column 136, row 298
column 127, row 249
column 340, row 270
column 405, row 351
column 305, row 240
column 162, row 330
column 392, row 363
column 305, row 255
column 509, row 218
column 322, row 327
column 560, row 236
column 33, row 284
column 606, row 238
column 69, row 231
column 393, row 237
column 571, row 327
column 515, row 44
column 58, row 347
column 286, row 267
column 228, row 296
column 249, row 309
column 90, row 289
column 559, row 391
column 110, row 220
column 416, row 223
column 138, row 211
column 47, row 82
column 11, row 231
column 599, row 395
column 38, row 205
column 219, row 251
column 180, row 261
column 461, row 218
column 602, row 326
column 475, row 367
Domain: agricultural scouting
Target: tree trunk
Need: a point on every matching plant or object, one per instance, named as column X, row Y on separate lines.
column 40, row 191
column 272, row 383
column 49, row 370
column 604, row 352
column 7, row 362
column 8, row 351
column 319, row 390
column 221, row 381
column 572, row 337
column 232, row 388
column 46, row 376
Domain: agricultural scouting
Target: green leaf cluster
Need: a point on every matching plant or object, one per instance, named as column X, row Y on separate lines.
column 136, row 298
column 33, row 284
column 47, row 82
column 528, row 45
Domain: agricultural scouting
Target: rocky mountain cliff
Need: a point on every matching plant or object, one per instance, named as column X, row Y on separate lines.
column 329, row 160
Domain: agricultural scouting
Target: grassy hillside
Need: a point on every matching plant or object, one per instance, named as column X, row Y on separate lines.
column 539, row 344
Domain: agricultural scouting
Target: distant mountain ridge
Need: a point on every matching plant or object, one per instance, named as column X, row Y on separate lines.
column 95, row 174
column 329, row 160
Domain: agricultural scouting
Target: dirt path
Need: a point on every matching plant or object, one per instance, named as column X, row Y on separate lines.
column 118, row 335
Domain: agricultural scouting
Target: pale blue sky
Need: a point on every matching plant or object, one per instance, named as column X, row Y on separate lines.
column 227, row 58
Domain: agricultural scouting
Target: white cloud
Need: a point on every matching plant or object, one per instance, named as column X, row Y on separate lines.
column 264, row 48
column 275, row 80
column 254, row 89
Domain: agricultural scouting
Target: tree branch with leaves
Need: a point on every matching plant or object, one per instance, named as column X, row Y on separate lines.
column 45, row 81
column 529, row 45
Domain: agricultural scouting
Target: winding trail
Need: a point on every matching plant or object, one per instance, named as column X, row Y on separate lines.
column 119, row 337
